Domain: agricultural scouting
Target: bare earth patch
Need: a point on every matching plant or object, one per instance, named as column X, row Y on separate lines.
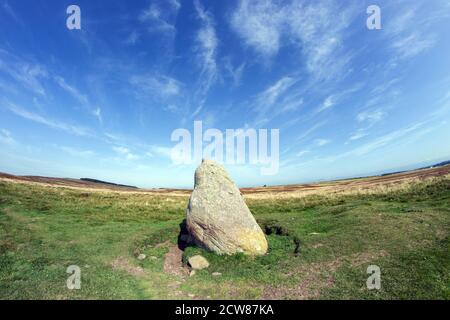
column 173, row 263
column 122, row 264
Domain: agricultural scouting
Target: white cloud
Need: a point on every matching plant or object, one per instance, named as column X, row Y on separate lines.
column 72, row 90
column 413, row 44
column 385, row 140
column 97, row 112
column 162, row 151
column 160, row 17
column 9, row 10
column 73, row 129
column 206, row 52
column 273, row 92
column 235, row 72
column 359, row 134
column 402, row 32
column 371, row 116
column 315, row 28
column 131, row 156
column 308, row 132
column 157, row 85
column 82, row 98
column 6, row 137
column 77, row 152
column 132, row 38
column 259, row 24
column 333, row 99
column 26, row 74
column 292, row 104
column 322, row 142
column 327, row 103
column 166, row 152
column 123, row 151
column 302, row 153
column 276, row 99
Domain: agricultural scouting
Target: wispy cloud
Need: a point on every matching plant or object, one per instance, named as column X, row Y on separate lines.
column 73, row 129
column 97, row 112
column 158, row 85
column 259, row 24
column 6, row 137
column 367, row 119
column 133, row 38
column 371, row 117
column 77, row 152
column 302, row 153
column 309, row 131
column 413, row 44
column 26, row 74
column 121, row 150
column 272, row 93
column 385, row 139
column 359, row 134
column 327, row 103
column 409, row 33
column 81, row 98
column 166, row 152
column 278, row 94
column 315, row 27
column 72, row 90
column 235, row 72
column 10, row 11
column 321, row 142
column 160, row 17
column 206, row 52
column 336, row 98
column 125, row 152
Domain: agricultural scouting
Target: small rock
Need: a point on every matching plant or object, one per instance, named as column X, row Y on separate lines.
column 141, row 256
column 191, row 295
column 198, row 262
column 314, row 233
column 192, row 273
column 215, row 274
column 153, row 258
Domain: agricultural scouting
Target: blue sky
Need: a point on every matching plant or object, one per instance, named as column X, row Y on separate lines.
column 102, row 102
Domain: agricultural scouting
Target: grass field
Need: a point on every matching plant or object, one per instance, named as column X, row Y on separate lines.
column 321, row 244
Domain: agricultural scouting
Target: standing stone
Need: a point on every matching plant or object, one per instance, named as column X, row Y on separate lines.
column 218, row 218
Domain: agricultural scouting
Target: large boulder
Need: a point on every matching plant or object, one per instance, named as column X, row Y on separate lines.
column 218, row 218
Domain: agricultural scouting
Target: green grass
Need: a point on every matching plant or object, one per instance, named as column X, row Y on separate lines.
column 44, row 230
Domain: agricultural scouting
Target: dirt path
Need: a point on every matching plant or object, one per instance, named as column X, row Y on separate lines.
column 173, row 262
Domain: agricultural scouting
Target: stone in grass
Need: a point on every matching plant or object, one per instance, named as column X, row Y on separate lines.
column 218, row 218
column 198, row 262
column 141, row 256
column 216, row 274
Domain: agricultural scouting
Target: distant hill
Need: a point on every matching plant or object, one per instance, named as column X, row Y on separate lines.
column 441, row 164
column 437, row 165
column 108, row 183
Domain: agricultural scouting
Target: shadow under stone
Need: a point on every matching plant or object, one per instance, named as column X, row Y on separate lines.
column 184, row 239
